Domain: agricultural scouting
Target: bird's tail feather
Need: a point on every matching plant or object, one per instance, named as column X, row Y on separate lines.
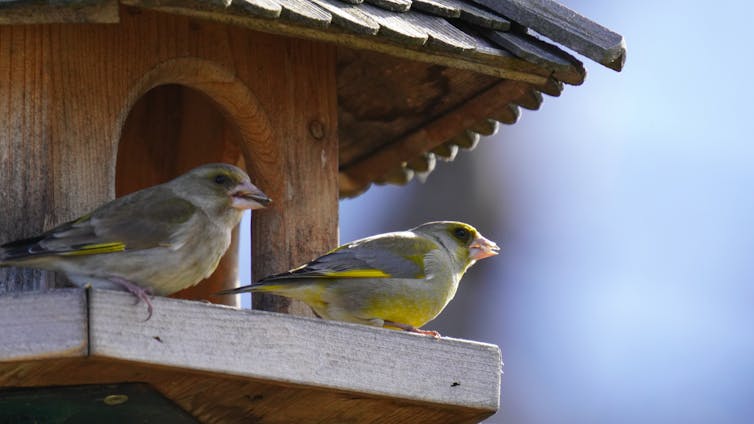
column 256, row 287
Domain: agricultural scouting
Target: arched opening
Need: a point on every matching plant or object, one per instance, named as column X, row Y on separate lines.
column 169, row 130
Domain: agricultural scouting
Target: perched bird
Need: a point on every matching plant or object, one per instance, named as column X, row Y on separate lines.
column 154, row 241
column 399, row 280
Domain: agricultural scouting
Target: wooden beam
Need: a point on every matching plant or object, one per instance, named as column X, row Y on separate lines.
column 309, row 351
column 479, row 107
column 222, row 364
column 301, row 105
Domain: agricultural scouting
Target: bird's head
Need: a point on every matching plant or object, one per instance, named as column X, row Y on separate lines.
column 220, row 185
column 462, row 240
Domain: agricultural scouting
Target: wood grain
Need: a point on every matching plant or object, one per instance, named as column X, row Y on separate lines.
column 400, row 30
column 375, row 110
column 442, row 35
column 43, row 325
column 302, row 222
column 566, row 27
column 227, row 365
column 349, row 17
column 534, row 50
column 355, row 29
column 479, row 17
column 60, row 141
column 437, row 7
column 305, row 13
column 393, row 5
column 435, row 133
column 294, row 350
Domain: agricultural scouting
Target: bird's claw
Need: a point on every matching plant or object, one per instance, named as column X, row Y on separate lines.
column 432, row 333
column 412, row 329
column 141, row 293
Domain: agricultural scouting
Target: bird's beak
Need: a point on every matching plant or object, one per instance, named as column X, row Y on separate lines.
column 248, row 196
column 482, row 248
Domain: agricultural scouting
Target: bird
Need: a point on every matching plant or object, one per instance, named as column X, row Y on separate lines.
column 154, row 241
column 399, row 280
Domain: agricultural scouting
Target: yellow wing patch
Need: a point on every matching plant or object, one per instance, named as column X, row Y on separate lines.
column 95, row 249
column 357, row 273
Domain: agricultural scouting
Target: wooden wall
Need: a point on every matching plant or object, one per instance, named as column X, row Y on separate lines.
column 66, row 92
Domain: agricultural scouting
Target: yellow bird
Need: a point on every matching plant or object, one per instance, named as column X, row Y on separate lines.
column 399, row 280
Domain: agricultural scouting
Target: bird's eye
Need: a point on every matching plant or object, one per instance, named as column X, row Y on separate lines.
column 221, row 179
column 461, row 234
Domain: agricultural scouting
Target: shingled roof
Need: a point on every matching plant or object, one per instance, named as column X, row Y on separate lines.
column 417, row 79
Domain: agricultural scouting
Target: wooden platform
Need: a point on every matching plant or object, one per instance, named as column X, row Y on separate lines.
column 226, row 365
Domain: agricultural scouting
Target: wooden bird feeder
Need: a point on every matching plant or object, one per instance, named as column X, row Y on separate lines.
column 317, row 99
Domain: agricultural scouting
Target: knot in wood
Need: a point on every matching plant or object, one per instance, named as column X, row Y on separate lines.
column 317, row 129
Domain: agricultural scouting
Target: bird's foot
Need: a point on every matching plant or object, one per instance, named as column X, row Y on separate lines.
column 142, row 294
column 412, row 329
column 433, row 333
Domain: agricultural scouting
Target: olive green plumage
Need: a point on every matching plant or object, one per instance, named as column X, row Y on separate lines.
column 397, row 280
column 161, row 239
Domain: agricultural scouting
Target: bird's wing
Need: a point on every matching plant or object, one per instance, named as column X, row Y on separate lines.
column 151, row 218
column 393, row 255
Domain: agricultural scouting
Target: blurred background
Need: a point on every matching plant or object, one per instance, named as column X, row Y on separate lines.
column 624, row 292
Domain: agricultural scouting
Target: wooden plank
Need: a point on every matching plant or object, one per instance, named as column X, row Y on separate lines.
column 47, row 156
column 349, row 17
column 479, row 17
column 442, row 35
column 533, row 50
column 295, row 350
column 393, row 5
column 493, row 45
column 486, row 51
column 41, row 12
column 566, row 27
column 361, row 173
column 437, row 7
column 43, row 325
column 393, row 26
column 301, row 106
column 305, row 13
column 263, row 8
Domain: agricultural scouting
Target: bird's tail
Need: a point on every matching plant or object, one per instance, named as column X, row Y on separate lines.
column 259, row 287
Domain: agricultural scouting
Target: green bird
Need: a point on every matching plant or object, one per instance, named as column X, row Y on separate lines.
column 158, row 240
column 399, row 280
